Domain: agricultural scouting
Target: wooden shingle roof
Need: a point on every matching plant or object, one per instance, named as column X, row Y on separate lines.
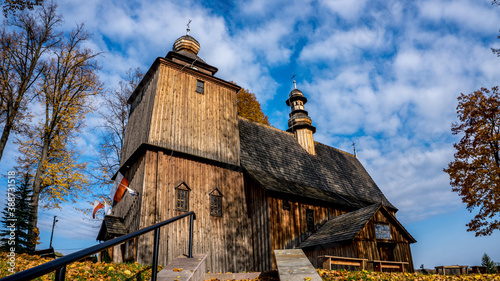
column 342, row 228
column 111, row 227
column 275, row 159
column 345, row 227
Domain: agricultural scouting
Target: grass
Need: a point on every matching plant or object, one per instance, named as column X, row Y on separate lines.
column 89, row 271
column 341, row 275
column 80, row 270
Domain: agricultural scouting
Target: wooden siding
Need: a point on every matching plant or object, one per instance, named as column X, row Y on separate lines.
column 306, row 140
column 226, row 240
column 258, row 212
column 129, row 206
column 184, row 120
column 140, row 119
column 337, row 249
column 366, row 244
column 289, row 227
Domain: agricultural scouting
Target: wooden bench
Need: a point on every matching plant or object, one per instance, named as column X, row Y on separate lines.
column 380, row 265
column 462, row 268
column 329, row 260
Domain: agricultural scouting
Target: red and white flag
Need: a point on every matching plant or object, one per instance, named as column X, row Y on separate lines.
column 119, row 187
column 97, row 206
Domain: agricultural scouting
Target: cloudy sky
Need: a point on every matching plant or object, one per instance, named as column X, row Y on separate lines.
column 382, row 74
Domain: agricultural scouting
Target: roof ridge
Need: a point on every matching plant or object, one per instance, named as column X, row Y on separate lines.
column 264, row 125
column 339, row 150
column 279, row 130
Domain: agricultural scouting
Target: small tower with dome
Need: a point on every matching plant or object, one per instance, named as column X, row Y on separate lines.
column 300, row 124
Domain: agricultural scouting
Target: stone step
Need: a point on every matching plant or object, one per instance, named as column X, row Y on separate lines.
column 293, row 265
column 231, row 276
column 184, row 269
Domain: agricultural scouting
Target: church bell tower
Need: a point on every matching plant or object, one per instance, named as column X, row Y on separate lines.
column 300, row 123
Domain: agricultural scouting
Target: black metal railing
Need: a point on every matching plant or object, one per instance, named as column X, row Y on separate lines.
column 59, row 265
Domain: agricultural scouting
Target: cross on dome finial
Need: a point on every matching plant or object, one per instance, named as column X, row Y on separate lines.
column 294, row 83
column 187, row 33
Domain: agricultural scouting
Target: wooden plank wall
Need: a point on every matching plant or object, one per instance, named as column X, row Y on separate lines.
column 342, row 250
column 139, row 121
column 289, row 227
column 183, row 120
column 226, row 239
column 258, row 211
column 366, row 242
column 305, row 139
column 129, row 207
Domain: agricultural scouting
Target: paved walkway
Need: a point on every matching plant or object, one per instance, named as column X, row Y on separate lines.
column 293, row 265
column 231, row 276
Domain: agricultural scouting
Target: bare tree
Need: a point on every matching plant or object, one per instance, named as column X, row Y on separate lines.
column 114, row 113
column 20, row 63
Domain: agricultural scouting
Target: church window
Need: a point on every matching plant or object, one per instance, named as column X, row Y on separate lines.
column 382, row 231
column 182, row 197
column 200, row 86
column 286, row 205
column 215, row 203
column 310, row 219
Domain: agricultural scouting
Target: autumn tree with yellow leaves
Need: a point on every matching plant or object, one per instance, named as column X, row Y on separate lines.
column 249, row 107
column 66, row 91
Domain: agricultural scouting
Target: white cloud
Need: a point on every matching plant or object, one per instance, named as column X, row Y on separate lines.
column 347, row 9
column 343, row 45
column 473, row 15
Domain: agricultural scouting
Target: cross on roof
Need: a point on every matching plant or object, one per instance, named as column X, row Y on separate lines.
column 189, row 22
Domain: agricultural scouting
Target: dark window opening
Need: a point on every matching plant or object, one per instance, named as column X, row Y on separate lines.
column 215, row 206
column 215, row 203
column 286, row 205
column 200, row 86
column 310, row 219
column 182, row 197
column 386, row 251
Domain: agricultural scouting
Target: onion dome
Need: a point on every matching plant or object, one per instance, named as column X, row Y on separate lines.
column 185, row 51
column 186, row 43
column 299, row 117
column 296, row 95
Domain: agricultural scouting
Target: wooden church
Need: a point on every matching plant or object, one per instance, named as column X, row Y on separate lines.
column 254, row 188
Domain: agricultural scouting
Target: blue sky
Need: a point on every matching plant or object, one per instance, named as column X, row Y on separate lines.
column 384, row 74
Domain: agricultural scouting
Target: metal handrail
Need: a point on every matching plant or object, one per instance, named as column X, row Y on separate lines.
column 59, row 265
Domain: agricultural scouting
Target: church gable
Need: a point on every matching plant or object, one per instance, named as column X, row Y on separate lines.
column 384, row 227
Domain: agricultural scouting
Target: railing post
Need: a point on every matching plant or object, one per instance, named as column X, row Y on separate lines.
column 154, row 272
column 191, row 221
column 60, row 274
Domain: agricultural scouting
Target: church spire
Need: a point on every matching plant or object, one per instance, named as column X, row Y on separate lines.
column 300, row 123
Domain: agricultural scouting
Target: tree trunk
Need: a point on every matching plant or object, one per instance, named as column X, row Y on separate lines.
column 37, row 186
column 9, row 124
column 5, row 137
